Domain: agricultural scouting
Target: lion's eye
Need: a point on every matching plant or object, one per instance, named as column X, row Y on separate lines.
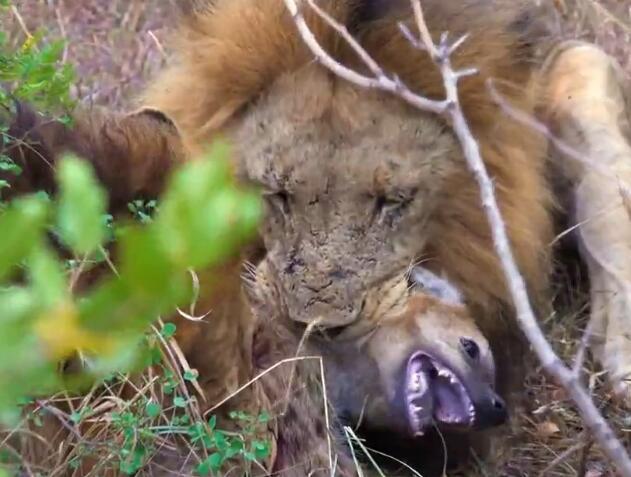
column 386, row 207
column 280, row 201
column 334, row 332
column 470, row 347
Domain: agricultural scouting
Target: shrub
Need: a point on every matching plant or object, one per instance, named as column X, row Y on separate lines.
column 45, row 246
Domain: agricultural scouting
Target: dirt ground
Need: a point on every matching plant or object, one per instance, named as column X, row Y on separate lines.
column 117, row 44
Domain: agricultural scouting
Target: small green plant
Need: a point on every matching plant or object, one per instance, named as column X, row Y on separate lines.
column 143, row 210
column 222, row 446
column 35, row 74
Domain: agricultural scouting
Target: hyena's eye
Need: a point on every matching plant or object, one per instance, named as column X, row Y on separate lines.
column 470, row 347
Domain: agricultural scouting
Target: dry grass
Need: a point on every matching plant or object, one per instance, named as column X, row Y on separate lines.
column 117, row 44
column 114, row 44
column 607, row 22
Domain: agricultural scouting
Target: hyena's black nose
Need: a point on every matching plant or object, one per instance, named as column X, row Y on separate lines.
column 491, row 410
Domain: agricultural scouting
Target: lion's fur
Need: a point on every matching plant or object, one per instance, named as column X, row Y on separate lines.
column 243, row 59
column 238, row 55
column 232, row 53
column 228, row 55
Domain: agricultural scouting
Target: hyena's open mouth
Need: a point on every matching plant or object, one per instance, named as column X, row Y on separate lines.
column 435, row 393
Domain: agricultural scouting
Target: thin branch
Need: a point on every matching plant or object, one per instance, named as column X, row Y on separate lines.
column 21, row 22
column 381, row 82
column 592, row 418
column 586, row 340
column 451, row 107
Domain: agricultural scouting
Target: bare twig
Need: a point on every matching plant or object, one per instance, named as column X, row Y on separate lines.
column 380, row 81
column 352, row 437
column 21, row 22
column 586, row 339
column 441, row 54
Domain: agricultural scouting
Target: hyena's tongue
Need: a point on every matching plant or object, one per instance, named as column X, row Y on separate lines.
column 419, row 398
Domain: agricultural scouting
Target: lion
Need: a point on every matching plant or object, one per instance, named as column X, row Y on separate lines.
column 358, row 185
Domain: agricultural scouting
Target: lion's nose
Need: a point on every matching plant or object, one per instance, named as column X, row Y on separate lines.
column 329, row 315
column 325, row 309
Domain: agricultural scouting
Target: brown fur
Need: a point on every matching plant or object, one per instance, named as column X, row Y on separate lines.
column 131, row 154
column 240, row 70
column 232, row 54
column 228, row 56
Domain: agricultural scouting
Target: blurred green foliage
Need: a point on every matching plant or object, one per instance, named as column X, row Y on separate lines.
column 203, row 219
column 46, row 244
column 33, row 73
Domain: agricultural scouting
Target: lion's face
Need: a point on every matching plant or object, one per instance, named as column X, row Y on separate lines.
column 350, row 180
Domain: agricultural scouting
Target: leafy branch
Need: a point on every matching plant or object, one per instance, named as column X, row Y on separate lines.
column 203, row 219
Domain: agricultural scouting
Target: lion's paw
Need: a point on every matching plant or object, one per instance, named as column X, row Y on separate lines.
column 611, row 330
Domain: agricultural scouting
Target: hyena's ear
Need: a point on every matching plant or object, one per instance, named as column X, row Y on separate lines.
column 432, row 284
column 132, row 154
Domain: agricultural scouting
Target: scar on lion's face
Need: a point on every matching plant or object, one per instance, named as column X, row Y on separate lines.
column 350, row 182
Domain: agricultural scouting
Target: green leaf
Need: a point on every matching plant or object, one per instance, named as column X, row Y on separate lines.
column 236, row 447
column 134, row 462
column 153, row 409
column 191, row 375
column 179, row 402
column 213, row 464
column 261, row 449
column 144, row 264
column 47, row 277
column 82, row 205
column 22, row 225
column 168, row 330
column 204, row 218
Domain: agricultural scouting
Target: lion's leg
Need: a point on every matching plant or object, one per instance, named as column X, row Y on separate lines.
column 587, row 111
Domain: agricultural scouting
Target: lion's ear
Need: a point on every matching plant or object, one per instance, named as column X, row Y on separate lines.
column 154, row 113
